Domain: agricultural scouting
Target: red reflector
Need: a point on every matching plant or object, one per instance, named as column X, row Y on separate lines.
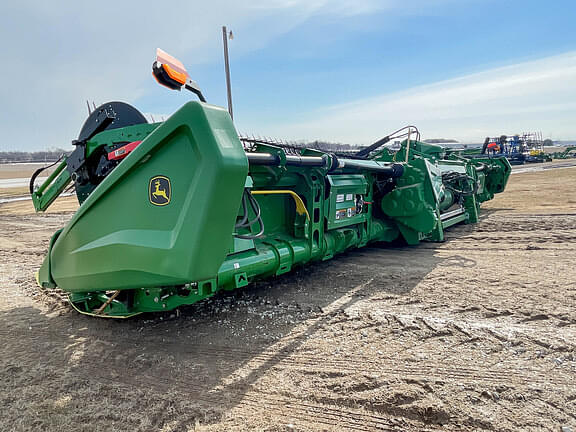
column 122, row 152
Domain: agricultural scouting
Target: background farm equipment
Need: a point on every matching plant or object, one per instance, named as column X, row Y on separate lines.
column 173, row 212
column 518, row 149
column 567, row 153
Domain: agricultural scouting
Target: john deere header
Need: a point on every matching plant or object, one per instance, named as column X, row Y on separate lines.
column 173, row 212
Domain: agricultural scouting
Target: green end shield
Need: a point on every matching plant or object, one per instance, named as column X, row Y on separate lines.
column 164, row 216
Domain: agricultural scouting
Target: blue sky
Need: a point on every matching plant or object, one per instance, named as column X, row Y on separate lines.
column 329, row 60
column 342, row 70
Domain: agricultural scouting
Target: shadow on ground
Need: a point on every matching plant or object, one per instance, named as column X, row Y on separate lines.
column 67, row 371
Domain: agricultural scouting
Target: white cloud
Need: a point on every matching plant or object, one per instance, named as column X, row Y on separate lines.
column 534, row 95
column 59, row 54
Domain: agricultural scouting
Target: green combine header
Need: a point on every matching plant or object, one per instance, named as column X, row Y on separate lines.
column 173, row 212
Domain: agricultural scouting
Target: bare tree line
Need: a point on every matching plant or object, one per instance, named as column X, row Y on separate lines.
column 39, row 156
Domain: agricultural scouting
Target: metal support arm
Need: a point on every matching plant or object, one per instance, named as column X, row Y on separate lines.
column 51, row 188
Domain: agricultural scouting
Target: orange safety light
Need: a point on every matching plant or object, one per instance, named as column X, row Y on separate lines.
column 171, row 73
column 175, row 75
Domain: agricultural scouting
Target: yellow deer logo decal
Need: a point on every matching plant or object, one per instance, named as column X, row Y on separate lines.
column 159, row 190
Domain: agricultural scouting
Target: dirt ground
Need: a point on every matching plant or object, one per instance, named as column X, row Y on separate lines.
column 21, row 170
column 477, row 333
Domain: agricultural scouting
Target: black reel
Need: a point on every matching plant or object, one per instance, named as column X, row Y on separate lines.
column 87, row 173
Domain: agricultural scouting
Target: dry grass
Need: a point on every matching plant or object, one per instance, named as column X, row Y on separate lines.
column 62, row 204
column 14, row 192
column 9, row 171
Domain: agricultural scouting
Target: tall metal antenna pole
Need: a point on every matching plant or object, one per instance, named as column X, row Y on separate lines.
column 227, row 65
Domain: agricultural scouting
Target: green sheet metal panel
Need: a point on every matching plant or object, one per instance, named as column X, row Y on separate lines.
column 344, row 192
column 165, row 215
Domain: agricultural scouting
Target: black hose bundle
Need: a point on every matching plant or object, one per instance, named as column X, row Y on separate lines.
column 39, row 170
column 247, row 198
column 394, row 135
column 460, row 183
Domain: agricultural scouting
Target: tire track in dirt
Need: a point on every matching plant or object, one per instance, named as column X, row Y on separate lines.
column 251, row 401
column 241, row 381
column 291, row 407
column 283, row 359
